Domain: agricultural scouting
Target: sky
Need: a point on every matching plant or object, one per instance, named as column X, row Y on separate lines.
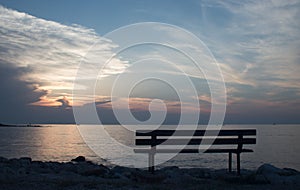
column 255, row 44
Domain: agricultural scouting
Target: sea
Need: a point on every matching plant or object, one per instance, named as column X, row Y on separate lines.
column 278, row 145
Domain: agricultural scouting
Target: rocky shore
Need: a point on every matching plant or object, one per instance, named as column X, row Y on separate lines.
column 23, row 173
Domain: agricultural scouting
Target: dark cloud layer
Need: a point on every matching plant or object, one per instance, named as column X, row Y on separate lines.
column 17, row 95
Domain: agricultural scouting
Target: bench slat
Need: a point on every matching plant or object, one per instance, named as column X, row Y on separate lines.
column 191, row 150
column 225, row 132
column 193, row 141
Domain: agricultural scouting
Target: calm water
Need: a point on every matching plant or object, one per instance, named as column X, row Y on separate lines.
column 276, row 144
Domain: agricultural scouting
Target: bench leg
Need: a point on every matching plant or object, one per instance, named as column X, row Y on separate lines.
column 238, row 164
column 230, row 162
column 151, row 163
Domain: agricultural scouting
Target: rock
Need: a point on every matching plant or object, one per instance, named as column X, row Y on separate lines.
column 122, row 172
column 55, row 167
column 199, row 173
column 168, row 168
column 15, row 163
column 22, row 171
column 277, row 176
column 288, row 172
column 40, row 167
column 91, row 169
column 122, row 169
column 101, row 171
column 68, row 167
column 79, row 159
column 147, row 177
column 84, row 174
column 40, row 170
column 119, row 169
column 268, row 169
column 84, row 166
column 171, row 171
column 38, row 164
column 8, row 171
column 260, row 179
column 3, row 160
column 25, row 161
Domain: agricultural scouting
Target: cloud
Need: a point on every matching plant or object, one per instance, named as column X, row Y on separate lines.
column 258, row 46
column 102, row 102
column 65, row 103
column 50, row 52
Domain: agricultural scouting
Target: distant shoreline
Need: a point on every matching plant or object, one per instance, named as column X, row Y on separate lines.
column 108, row 124
column 57, row 123
column 19, row 125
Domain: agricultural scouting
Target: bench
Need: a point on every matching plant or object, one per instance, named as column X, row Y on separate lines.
column 224, row 141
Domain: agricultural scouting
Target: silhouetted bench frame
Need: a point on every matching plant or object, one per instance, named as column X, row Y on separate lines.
column 238, row 137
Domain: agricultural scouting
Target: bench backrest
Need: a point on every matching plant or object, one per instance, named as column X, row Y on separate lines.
column 188, row 137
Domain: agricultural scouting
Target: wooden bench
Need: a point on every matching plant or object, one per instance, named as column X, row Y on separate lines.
column 224, row 141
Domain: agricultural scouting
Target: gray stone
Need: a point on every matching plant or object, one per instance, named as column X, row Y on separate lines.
column 122, row 169
column 54, row 166
column 171, row 171
column 277, row 176
column 7, row 171
column 22, row 171
column 261, row 179
column 82, row 167
column 3, row 160
column 122, row 172
column 25, row 161
column 15, row 163
column 288, row 172
column 100, row 171
column 68, row 167
column 268, row 169
column 147, row 177
column 40, row 167
column 79, row 159
column 170, row 168
column 198, row 173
